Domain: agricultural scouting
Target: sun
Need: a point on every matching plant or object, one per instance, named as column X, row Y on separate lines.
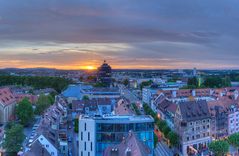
column 90, row 67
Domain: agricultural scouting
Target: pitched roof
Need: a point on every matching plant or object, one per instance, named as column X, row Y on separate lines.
column 131, row 145
column 6, row 96
column 194, row 110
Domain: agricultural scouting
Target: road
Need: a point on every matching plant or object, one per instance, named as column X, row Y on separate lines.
column 128, row 94
column 162, row 150
column 73, row 148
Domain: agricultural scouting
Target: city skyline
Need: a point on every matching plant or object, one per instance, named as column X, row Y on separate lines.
column 128, row 34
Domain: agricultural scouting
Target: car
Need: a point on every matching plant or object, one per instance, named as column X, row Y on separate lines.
column 30, row 141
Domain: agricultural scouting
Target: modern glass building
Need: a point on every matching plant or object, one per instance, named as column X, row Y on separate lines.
column 98, row 133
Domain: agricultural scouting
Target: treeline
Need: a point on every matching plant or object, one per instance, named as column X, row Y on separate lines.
column 37, row 82
column 208, row 82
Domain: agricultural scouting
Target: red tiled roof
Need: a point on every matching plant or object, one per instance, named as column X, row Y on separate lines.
column 6, row 96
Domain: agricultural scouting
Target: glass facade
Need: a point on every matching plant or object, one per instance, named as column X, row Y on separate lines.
column 108, row 134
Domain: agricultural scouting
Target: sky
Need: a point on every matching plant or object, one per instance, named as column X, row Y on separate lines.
column 128, row 34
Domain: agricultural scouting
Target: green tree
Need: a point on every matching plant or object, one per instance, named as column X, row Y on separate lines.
column 155, row 140
column 12, row 143
column 226, row 82
column 42, row 104
column 76, row 125
column 126, row 82
column 166, row 130
column 24, row 112
column 145, row 83
column 193, row 82
column 234, row 140
column 219, row 148
column 173, row 138
column 85, row 97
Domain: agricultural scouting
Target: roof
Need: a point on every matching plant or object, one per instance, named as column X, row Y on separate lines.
column 122, row 108
column 75, row 90
column 6, row 96
column 37, row 149
column 91, row 103
column 194, row 110
column 131, row 145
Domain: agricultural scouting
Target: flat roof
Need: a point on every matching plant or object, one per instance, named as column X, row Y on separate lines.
column 120, row 118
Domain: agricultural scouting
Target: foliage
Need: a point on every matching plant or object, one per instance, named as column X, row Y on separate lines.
column 91, row 78
column 193, row 82
column 85, row 97
column 217, row 82
column 14, row 139
column 24, row 112
column 155, row 140
column 219, row 148
column 173, row 138
column 162, row 126
column 44, row 101
column 234, row 140
column 99, row 84
column 166, row 130
column 135, row 108
column 76, row 125
column 126, row 82
column 38, row 82
column 145, row 83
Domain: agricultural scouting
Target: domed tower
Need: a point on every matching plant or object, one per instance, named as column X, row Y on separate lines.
column 104, row 74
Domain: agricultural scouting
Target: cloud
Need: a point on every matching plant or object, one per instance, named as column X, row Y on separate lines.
column 130, row 34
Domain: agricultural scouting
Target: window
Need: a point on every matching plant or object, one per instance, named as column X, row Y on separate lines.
column 81, row 153
column 187, row 138
column 91, row 146
column 88, row 136
column 88, row 153
column 85, row 126
column 85, row 146
column 198, row 136
column 81, row 136
column 193, row 137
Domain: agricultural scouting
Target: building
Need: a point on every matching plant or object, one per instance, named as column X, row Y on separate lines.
column 100, row 132
column 104, row 74
column 233, row 119
column 194, row 72
column 42, row 146
column 91, row 107
column 130, row 146
column 219, row 113
column 74, row 92
column 193, row 125
column 147, row 94
column 7, row 105
column 94, row 93
column 123, row 108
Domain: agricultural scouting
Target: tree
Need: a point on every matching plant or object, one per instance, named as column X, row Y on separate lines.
column 126, row 82
column 155, row 140
column 234, row 140
column 219, row 148
column 145, row 83
column 42, row 104
column 76, row 125
column 166, row 130
column 85, row 98
column 173, row 138
column 36, row 82
column 24, row 112
column 14, row 139
column 193, row 82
